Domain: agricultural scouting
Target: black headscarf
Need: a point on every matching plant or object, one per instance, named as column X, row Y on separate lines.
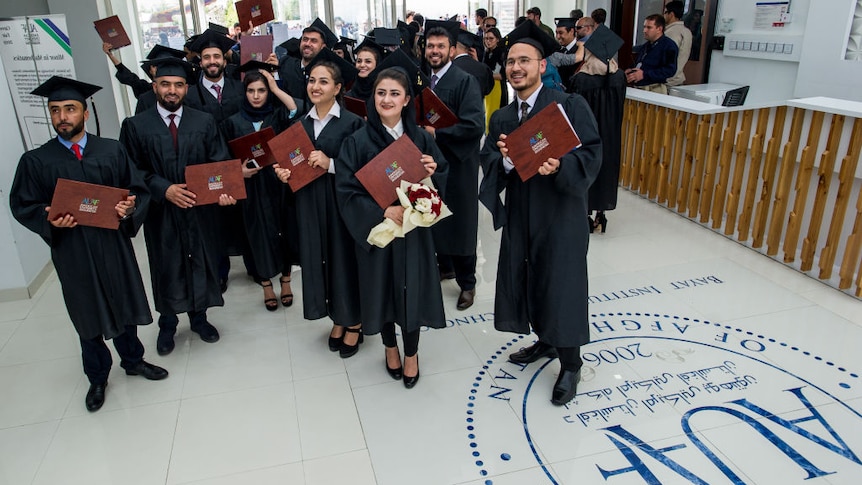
column 377, row 132
column 249, row 112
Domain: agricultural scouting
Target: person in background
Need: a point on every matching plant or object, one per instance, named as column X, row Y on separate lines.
column 656, row 58
column 600, row 15
column 479, row 18
column 576, row 14
column 97, row 269
column 330, row 277
column 398, row 283
column 534, row 15
column 679, row 33
column 368, row 56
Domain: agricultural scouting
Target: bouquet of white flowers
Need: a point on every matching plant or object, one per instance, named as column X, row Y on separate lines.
column 423, row 207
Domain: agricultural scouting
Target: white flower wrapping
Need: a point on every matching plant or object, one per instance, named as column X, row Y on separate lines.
column 415, row 215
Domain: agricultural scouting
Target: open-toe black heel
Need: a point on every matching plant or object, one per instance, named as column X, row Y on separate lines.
column 286, row 298
column 271, row 304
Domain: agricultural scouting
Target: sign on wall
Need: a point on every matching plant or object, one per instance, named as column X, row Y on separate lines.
column 32, row 50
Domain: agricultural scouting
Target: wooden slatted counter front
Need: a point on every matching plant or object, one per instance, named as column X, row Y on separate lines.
column 782, row 179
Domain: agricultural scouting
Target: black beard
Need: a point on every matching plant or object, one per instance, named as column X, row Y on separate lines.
column 217, row 74
column 170, row 106
column 72, row 133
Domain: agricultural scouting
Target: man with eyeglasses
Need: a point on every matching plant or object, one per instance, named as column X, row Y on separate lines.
column 542, row 269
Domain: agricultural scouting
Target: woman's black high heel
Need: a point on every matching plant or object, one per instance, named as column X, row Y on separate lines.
column 395, row 373
column 350, row 350
column 271, row 304
column 335, row 342
column 602, row 221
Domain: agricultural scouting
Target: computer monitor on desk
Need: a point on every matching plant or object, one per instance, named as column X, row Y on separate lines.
column 735, row 97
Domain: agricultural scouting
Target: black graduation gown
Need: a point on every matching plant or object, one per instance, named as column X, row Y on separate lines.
column 204, row 99
column 542, row 270
column 459, row 143
column 478, row 70
column 606, row 95
column 125, row 76
column 494, row 59
column 146, row 101
column 293, row 80
column 97, row 269
column 399, row 283
column 183, row 245
column 330, row 279
column 261, row 210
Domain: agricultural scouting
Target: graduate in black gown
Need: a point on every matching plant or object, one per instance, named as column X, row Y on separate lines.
column 265, row 105
column 542, row 270
column 368, row 57
column 398, row 283
column 455, row 237
column 97, row 269
column 330, row 281
column 183, row 241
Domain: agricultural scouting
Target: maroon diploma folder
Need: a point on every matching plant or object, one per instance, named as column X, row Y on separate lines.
column 547, row 134
column 209, row 180
column 255, row 48
column 254, row 146
column 90, row 204
column 432, row 111
column 356, row 106
column 291, row 149
column 112, row 32
column 401, row 160
column 257, row 11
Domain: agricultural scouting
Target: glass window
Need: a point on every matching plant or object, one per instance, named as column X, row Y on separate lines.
column 162, row 22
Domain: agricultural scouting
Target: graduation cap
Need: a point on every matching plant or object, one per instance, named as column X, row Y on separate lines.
column 171, row 66
column 292, row 47
column 59, row 88
column 221, row 29
column 329, row 37
column 533, row 36
column 160, row 51
column 452, row 27
column 211, row 38
column 348, row 70
column 347, row 41
column 408, row 33
column 398, row 59
column 386, row 37
column 604, row 43
column 254, row 65
column 190, row 41
column 368, row 43
column 469, row 39
column 566, row 22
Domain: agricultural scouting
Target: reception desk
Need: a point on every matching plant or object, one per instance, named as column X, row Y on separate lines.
column 782, row 178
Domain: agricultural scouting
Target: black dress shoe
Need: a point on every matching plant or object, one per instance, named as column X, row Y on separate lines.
column 149, row 371
column 566, row 386
column 222, row 285
column 410, row 381
column 165, row 342
column 394, row 373
column 533, row 353
column 465, row 299
column 207, row 332
column 95, row 396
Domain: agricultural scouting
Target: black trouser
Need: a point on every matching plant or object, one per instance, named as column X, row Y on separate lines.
column 463, row 266
column 570, row 358
column 97, row 357
column 168, row 323
column 411, row 339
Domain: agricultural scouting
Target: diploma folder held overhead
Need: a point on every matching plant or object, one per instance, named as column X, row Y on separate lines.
column 209, row 180
column 254, row 146
column 547, row 134
column 432, row 111
column 255, row 48
column 257, row 11
column 292, row 149
column 111, row 31
column 90, row 204
column 401, row 160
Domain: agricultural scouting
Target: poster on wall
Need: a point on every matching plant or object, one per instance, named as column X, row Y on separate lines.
column 32, row 50
column 770, row 15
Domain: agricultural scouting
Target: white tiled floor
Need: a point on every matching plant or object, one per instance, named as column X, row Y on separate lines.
column 269, row 404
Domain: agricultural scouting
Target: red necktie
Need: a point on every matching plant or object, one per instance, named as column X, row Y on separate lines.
column 217, row 89
column 173, row 128
column 77, row 149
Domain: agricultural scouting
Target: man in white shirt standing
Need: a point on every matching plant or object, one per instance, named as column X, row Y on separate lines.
column 679, row 33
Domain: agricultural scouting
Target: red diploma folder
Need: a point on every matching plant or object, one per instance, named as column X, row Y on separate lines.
column 356, row 106
column 401, row 160
column 432, row 111
column 254, row 146
column 257, row 11
column 291, row 149
column 255, row 48
column 547, row 134
column 112, row 32
column 209, row 180
column 90, row 204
